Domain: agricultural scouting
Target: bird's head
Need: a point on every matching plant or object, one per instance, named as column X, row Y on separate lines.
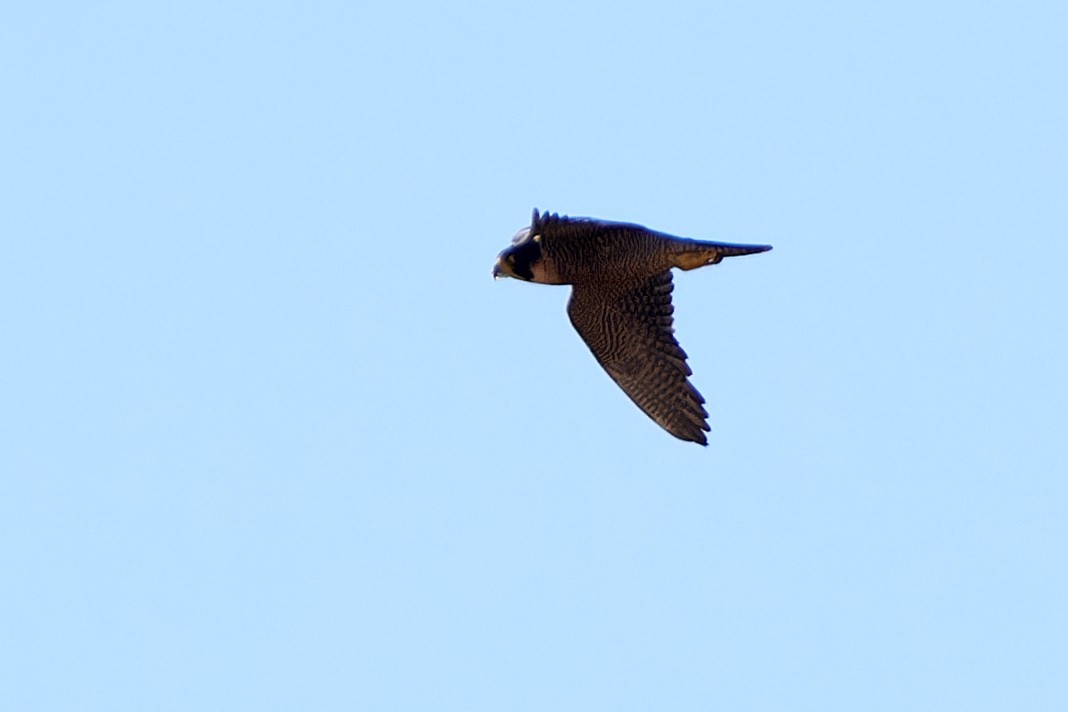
column 521, row 258
column 526, row 258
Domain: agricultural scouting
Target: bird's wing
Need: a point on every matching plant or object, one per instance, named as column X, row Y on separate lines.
column 629, row 330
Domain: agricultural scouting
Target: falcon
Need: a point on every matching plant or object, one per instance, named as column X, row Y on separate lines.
column 620, row 277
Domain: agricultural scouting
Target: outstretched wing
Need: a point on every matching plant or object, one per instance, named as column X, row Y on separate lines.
column 629, row 330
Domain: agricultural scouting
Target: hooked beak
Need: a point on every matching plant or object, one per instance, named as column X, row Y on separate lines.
column 502, row 269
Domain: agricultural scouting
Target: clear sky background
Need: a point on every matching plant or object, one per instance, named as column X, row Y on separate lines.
column 272, row 438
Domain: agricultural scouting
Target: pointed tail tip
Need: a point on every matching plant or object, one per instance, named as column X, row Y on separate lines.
column 737, row 250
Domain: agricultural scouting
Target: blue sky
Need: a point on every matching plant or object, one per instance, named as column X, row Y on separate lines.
column 271, row 437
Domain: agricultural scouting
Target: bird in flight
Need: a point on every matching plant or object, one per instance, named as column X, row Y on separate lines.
column 621, row 303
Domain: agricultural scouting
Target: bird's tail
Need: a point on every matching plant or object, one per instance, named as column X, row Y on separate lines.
column 691, row 254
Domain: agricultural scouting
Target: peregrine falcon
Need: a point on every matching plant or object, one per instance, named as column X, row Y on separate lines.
column 621, row 303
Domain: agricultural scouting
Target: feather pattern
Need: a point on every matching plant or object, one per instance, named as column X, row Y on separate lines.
column 631, row 334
